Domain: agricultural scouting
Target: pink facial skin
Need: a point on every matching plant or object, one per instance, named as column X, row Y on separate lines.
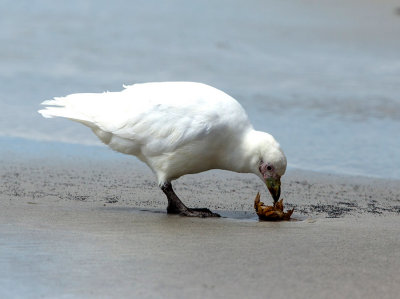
column 266, row 170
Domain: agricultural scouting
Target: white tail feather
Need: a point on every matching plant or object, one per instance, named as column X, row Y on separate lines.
column 107, row 110
column 65, row 107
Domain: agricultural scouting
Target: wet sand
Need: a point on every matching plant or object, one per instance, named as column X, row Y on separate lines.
column 80, row 228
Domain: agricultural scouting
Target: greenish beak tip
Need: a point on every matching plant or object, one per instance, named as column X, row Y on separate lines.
column 274, row 187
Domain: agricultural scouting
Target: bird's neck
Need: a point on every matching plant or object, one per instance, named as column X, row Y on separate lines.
column 243, row 153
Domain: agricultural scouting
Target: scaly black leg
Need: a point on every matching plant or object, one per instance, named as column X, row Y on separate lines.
column 176, row 206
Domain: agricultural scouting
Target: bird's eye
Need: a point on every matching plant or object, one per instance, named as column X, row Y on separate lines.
column 269, row 167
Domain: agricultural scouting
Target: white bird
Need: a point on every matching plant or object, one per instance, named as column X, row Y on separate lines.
column 177, row 128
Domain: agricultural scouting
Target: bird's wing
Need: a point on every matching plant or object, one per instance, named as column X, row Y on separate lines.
column 160, row 117
column 165, row 116
column 163, row 128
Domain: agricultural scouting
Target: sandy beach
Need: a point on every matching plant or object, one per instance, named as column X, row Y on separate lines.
column 79, row 228
column 80, row 221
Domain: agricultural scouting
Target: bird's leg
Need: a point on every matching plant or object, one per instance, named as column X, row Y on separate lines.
column 176, row 206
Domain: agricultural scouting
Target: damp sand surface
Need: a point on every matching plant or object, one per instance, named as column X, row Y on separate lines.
column 79, row 228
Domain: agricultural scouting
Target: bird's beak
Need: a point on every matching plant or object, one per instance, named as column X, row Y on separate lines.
column 274, row 187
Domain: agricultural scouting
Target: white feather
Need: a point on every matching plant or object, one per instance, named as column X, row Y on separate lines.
column 175, row 127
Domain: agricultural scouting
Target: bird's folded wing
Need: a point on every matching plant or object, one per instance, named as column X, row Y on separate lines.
column 160, row 117
column 162, row 128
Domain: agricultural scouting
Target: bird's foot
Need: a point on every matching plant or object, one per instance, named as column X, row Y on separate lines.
column 176, row 206
column 199, row 212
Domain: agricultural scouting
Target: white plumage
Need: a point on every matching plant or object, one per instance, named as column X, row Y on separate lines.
column 176, row 128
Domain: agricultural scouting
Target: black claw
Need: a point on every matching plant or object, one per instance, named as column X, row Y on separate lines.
column 205, row 212
column 198, row 212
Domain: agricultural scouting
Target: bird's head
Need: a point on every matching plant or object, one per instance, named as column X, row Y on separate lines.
column 271, row 173
column 270, row 164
